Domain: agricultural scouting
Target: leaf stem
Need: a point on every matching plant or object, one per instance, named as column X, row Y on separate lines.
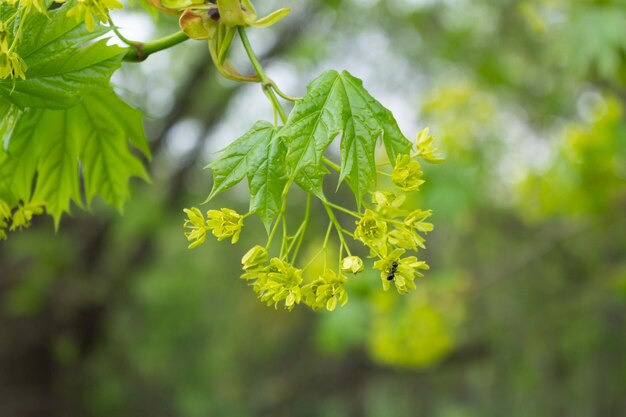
column 331, row 164
column 273, row 232
column 265, row 81
column 338, row 227
column 118, row 34
column 284, row 242
column 282, row 94
column 139, row 51
column 300, row 233
column 345, row 210
column 325, row 245
column 18, row 32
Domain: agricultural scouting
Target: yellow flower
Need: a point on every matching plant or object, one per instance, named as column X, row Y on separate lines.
column 416, row 218
column 405, row 239
column 277, row 282
column 253, row 261
column 195, row 222
column 24, row 214
column 12, row 65
column 326, row 292
column 407, row 174
column 425, row 149
column 370, row 230
column 90, row 10
column 225, row 223
column 401, row 271
column 388, row 203
column 39, row 5
column 352, row 264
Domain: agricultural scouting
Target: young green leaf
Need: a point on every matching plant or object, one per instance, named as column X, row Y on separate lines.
column 267, row 178
column 61, row 65
column 234, row 161
column 108, row 126
column 337, row 103
column 258, row 155
column 94, row 135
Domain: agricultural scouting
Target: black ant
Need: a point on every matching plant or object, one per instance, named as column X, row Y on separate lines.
column 392, row 271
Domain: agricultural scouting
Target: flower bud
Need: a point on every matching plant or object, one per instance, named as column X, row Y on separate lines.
column 407, row 174
column 425, row 149
column 352, row 264
column 225, row 223
column 254, row 258
column 197, row 24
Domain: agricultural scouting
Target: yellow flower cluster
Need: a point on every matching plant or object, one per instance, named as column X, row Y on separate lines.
column 425, row 149
column 222, row 223
column 20, row 218
column 384, row 226
column 92, row 10
column 28, row 5
column 278, row 281
column 407, row 174
column 389, row 231
column 11, row 64
column 326, row 291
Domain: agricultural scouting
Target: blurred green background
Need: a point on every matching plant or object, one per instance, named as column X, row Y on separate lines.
column 523, row 313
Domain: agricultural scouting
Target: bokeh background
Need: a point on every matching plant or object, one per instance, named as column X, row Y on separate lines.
column 523, row 313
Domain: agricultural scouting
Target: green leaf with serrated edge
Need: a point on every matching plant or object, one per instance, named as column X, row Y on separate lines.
column 259, row 156
column 267, row 177
column 108, row 163
column 358, row 143
column 234, row 162
column 61, row 65
column 311, row 179
column 57, row 180
column 314, row 122
column 52, row 145
column 18, row 160
column 337, row 103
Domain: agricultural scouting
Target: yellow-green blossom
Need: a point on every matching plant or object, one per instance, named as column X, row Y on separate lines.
column 39, row 5
column 225, row 223
column 405, row 238
column 406, row 270
column 11, row 64
column 24, row 214
column 197, row 225
column 388, row 203
column 326, row 292
column 416, row 218
column 425, row 149
column 254, row 258
column 352, row 264
column 277, row 282
column 90, row 10
column 407, row 174
column 370, row 230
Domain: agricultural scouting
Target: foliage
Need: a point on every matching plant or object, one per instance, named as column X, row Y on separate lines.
column 88, row 130
column 523, row 309
column 66, row 128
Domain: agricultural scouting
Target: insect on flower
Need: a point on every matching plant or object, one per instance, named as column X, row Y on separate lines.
column 392, row 271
